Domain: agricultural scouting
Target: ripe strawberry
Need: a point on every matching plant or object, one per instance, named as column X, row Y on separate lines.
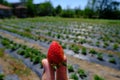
column 55, row 54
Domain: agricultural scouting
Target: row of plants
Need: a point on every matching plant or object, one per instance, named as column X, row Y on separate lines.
column 92, row 53
column 35, row 55
column 84, row 51
column 81, row 74
column 89, row 32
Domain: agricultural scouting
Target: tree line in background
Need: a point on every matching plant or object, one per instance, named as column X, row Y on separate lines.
column 100, row 9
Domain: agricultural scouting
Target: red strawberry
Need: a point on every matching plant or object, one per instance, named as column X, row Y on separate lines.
column 55, row 54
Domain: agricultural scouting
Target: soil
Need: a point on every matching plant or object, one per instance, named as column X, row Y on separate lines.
column 14, row 69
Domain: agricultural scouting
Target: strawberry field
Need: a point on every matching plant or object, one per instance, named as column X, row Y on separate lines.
column 91, row 46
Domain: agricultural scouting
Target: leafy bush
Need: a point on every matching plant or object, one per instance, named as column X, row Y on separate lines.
column 96, row 77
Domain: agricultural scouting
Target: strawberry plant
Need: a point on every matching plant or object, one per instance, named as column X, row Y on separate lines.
column 92, row 51
column 115, row 46
column 96, row 77
column 100, row 56
column 74, row 76
column 82, row 73
column 2, row 76
column 84, row 52
column 70, row 68
column 112, row 60
column 110, row 55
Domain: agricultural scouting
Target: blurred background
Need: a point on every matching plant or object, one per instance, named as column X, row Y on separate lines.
column 98, row 9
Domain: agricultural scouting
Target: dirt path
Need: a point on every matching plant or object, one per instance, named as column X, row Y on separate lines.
column 92, row 68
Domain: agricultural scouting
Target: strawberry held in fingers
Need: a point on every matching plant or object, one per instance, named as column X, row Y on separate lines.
column 55, row 54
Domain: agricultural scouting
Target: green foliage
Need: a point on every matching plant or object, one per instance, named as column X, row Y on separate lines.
column 58, row 10
column 4, row 2
column 74, row 76
column 100, row 56
column 30, row 8
column 110, row 55
column 82, row 73
column 2, row 76
column 27, row 29
column 45, row 9
column 92, row 51
column 112, row 60
column 68, row 13
column 84, row 52
column 96, row 77
column 70, row 68
column 75, row 48
column 82, row 41
column 88, row 13
column 105, row 44
column 115, row 46
column 64, row 46
column 97, row 44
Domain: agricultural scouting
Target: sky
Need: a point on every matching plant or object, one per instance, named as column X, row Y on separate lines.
column 64, row 3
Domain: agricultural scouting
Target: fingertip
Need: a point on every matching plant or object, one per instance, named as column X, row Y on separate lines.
column 44, row 63
column 65, row 58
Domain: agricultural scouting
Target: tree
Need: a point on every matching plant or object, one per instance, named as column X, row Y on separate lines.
column 78, row 12
column 45, row 9
column 88, row 13
column 30, row 8
column 69, row 13
column 107, row 9
column 58, row 10
column 4, row 2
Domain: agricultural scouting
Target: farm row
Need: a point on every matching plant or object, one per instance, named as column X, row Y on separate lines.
column 102, row 36
column 42, row 33
column 32, row 58
column 96, row 43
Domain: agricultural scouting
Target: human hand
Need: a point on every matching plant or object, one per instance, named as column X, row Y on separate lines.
column 50, row 74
